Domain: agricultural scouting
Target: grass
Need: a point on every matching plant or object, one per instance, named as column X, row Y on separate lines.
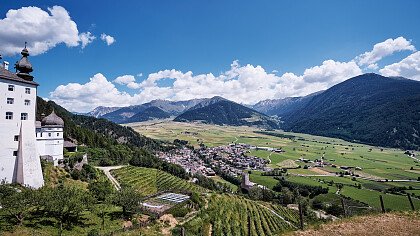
column 371, row 197
column 220, row 180
column 371, row 225
column 44, row 225
column 267, row 181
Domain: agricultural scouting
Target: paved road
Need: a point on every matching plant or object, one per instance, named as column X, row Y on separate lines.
column 106, row 170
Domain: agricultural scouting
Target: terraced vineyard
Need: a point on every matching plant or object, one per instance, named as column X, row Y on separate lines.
column 149, row 181
column 233, row 215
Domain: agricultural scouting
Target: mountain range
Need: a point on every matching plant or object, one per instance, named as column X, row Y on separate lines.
column 283, row 106
column 172, row 108
column 369, row 108
column 220, row 111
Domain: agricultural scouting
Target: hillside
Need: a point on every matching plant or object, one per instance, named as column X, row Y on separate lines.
column 95, row 132
column 233, row 215
column 149, row 114
column 369, row 108
column 150, row 181
column 386, row 225
column 220, row 111
column 284, row 106
column 173, row 108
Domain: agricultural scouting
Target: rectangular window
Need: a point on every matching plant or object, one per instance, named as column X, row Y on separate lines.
column 11, row 88
column 58, row 134
column 49, row 134
column 15, row 153
column 10, row 100
column 16, row 137
column 27, row 102
column 27, row 90
column 9, row 115
column 23, row 116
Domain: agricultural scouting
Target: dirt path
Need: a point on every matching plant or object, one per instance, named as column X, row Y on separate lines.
column 268, row 157
column 106, row 170
column 279, row 216
column 320, row 171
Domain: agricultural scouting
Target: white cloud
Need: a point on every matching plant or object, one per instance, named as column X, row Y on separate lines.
column 108, row 39
column 41, row 29
column 86, row 38
column 244, row 84
column 84, row 97
column 128, row 80
column 383, row 49
column 408, row 67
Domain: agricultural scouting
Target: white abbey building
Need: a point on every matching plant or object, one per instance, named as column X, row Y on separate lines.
column 23, row 140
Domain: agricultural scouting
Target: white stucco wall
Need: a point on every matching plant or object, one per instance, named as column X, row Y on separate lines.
column 10, row 128
column 50, row 141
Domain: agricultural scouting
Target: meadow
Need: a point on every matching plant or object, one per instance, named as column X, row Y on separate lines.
column 375, row 162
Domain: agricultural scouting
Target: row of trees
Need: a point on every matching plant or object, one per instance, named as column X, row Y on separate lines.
column 65, row 204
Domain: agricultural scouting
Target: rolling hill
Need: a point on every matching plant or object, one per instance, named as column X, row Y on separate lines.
column 220, row 111
column 369, row 108
column 149, row 114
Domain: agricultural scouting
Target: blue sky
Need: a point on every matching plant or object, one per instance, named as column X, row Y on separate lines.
column 248, row 42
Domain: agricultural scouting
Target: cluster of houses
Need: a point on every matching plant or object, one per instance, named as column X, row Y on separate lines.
column 231, row 159
column 187, row 159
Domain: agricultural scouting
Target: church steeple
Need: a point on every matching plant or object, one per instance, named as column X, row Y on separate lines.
column 24, row 66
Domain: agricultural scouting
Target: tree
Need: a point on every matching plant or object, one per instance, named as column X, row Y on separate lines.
column 255, row 193
column 102, row 210
column 101, row 189
column 129, row 199
column 66, row 204
column 17, row 203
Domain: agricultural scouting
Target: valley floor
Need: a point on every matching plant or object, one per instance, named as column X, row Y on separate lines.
column 379, row 169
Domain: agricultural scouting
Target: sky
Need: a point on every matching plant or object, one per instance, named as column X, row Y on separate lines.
column 118, row 53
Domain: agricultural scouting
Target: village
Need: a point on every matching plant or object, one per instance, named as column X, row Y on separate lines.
column 230, row 159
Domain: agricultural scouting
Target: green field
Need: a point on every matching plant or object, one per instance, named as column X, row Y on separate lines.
column 150, row 181
column 220, row 180
column 233, row 215
column 376, row 162
column 371, row 197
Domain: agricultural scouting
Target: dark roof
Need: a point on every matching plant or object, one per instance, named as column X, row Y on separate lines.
column 52, row 120
column 68, row 144
column 8, row 75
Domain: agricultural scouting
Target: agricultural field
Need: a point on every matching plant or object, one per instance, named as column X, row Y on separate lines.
column 390, row 165
column 233, row 215
column 150, row 181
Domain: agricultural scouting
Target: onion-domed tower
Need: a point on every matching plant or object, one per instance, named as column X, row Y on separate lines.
column 23, row 66
column 50, row 139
